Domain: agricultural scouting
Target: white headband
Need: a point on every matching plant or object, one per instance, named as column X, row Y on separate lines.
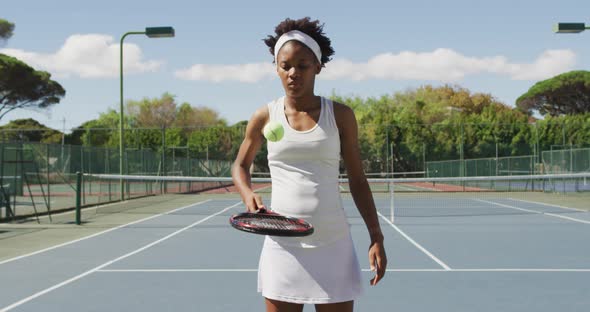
column 301, row 37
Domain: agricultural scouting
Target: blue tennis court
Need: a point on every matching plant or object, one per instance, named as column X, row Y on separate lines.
column 509, row 254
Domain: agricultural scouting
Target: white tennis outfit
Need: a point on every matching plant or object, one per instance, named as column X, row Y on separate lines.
column 304, row 166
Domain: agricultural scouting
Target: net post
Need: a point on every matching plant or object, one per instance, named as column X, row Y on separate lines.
column 48, row 177
column 78, row 196
column 391, row 206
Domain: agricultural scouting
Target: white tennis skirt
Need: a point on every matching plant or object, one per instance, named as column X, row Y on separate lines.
column 319, row 275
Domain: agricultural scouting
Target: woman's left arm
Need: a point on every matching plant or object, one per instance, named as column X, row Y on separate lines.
column 359, row 187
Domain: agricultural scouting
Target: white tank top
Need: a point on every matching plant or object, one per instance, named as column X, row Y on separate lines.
column 304, row 168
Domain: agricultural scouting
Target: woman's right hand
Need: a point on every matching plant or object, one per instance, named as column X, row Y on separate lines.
column 253, row 202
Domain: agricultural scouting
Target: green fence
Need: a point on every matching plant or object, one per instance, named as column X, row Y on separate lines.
column 40, row 177
column 570, row 160
column 447, row 147
column 501, row 166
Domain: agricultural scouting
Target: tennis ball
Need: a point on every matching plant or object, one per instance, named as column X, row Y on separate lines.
column 273, row 131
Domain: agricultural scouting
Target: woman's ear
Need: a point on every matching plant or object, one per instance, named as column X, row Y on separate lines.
column 318, row 68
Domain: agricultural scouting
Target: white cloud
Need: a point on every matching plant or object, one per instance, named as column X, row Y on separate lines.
column 448, row 66
column 548, row 64
column 443, row 65
column 249, row 73
column 87, row 56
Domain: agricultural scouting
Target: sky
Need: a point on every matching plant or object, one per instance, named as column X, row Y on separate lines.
column 218, row 60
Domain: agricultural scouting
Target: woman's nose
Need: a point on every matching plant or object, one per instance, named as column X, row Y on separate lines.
column 293, row 72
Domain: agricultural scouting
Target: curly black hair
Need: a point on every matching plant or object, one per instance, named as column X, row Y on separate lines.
column 312, row 28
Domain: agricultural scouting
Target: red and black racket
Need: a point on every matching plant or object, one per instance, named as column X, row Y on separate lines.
column 270, row 223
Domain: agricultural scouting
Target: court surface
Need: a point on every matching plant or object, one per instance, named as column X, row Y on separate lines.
column 178, row 253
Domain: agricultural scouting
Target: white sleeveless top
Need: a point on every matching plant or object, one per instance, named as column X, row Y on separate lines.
column 304, row 168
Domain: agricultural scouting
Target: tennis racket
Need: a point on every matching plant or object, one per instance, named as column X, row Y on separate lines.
column 266, row 222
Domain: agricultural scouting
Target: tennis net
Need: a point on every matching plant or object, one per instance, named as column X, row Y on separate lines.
column 394, row 198
column 490, row 195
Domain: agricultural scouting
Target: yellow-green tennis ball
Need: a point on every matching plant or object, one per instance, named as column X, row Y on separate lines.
column 273, row 131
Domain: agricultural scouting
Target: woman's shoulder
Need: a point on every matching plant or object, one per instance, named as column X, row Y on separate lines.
column 342, row 112
column 261, row 114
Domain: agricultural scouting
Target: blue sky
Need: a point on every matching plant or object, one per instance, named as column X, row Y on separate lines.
column 218, row 59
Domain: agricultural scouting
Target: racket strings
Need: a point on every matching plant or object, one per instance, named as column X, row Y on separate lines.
column 274, row 223
column 271, row 224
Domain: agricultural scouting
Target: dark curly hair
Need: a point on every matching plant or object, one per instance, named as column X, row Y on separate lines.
column 312, row 28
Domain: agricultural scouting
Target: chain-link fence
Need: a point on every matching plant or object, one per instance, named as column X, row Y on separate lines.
column 386, row 149
column 501, row 166
column 473, row 149
column 36, row 178
column 569, row 160
column 47, row 162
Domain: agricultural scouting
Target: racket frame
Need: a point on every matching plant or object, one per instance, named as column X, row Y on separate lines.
column 237, row 223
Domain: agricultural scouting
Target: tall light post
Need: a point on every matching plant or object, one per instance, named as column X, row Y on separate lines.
column 151, row 32
column 569, row 28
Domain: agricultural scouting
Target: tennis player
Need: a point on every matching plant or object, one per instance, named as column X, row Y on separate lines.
column 320, row 269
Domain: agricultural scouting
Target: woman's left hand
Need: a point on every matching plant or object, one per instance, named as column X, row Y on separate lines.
column 378, row 261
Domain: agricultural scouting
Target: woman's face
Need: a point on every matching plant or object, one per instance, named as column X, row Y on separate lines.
column 297, row 67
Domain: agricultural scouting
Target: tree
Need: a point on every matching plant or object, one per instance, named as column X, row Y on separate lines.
column 215, row 142
column 103, row 131
column 153, row 113
column 21, row 86
column 6, row 29
column 564, row 131
column 435, row 123
column 190, row 118
column 565, row 94
column 151, row 122
column 29, row 130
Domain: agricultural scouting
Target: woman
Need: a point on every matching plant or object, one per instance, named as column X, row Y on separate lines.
column 320, row 269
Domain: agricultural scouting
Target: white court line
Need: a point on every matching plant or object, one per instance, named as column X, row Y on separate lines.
column 100, row 233
column 74, row 211
column 262, row 189
column 437, row 260
column 550, row 205
column 417, row 188
column 77, row 277
column 173, row 270
column 535, row 211
column 364, row 270
column 522, row 270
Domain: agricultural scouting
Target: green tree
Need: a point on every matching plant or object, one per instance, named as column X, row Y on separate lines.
column 435, row 123
column 189, row 118
column 558, row 132
column 29, row 130
column 103, row 131
column 150, row 121
column 565, row 94
column 213, row 142
column 150, row 116
column 6, row 29
column 21, row 86
column 153, row 113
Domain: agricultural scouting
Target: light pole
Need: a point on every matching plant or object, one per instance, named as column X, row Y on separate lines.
column 151, row 32
column 569, row 28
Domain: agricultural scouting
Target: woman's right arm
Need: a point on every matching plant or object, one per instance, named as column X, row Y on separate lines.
column 253, row 140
